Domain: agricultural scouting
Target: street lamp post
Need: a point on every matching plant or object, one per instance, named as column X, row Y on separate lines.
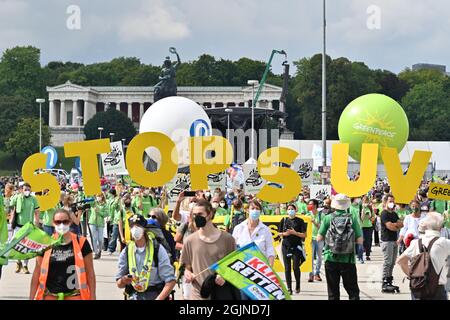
column 79, row 118
column 100, row 129
column 111, row 136
column 324, row 92
column 252, row 151
column 40, row 101
column 228, row 111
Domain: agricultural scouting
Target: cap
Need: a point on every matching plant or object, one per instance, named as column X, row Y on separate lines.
column 137, row 219
column 340, row 202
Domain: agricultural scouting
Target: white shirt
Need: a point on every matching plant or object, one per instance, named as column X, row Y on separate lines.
column 439, row 253
column 184, row 216
column 261, row 236
column 411, row 225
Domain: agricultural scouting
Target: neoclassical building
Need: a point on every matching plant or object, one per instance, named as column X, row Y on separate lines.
column 72, row 105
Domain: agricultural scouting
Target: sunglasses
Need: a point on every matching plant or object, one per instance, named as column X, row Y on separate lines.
column 66, row 222
column 154, row 217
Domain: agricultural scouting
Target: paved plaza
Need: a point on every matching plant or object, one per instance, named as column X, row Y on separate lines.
column 16, row 286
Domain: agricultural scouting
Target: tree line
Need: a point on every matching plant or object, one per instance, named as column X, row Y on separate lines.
column 423, row 94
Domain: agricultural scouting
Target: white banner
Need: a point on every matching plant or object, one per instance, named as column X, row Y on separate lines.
column 178, row 184
column 217, row 180
column 253, row 182
column 114, row 162
column 319, row 191
column 304, row 168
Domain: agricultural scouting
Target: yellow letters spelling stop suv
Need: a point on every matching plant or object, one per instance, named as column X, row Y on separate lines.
column 202, row 164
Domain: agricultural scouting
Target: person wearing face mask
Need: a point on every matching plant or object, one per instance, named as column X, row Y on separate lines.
column 220, row 206
column 144, row 267
column 136, row 202
column 158, row 215
column 25, row 208
column 317, row 246
column 367, row 218
column 390, row 225
column 410, row 225
column 282, row 209
column 204, row 247
column 97, row 215
column 355, row 210
column 148, row 202
column 293, row 231
column 253, row 230
column 56, row 268
column 47, row 221
column 301, row 205
column 229, row 197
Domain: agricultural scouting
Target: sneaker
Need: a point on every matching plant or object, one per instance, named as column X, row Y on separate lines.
column 311, row 278
column 96, row 257
column 317, row 278
column 290, row 292
column 25, row 270
column 18, row 267
column 367, row 258
column 297, row 290
column 110, row 253
column 361, row 261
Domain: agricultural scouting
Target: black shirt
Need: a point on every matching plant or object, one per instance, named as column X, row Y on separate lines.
column 386, row 234
column 296, row 224
column 62, row 276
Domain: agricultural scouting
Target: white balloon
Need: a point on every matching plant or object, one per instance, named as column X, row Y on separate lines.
column 178, row 118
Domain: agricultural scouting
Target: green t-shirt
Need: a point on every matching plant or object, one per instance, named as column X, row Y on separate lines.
column 113, row 207
column 327, row 254
column 3, row 223
column 366, row 215
column 221, row 211
column 402, row 213
column 25, row 207
column 47, row 219
column 148, row 203
column 97, row 214
column 438, row 206
column 135, row 204
column 354, row 210
column 318, row 219
column 302, row 207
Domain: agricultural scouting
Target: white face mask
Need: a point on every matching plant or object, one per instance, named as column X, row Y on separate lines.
column 62, row 228
column 137, row 232
column 99, row 199
column 26, row 193
column 215, row 205
column 391, row 205
column 207, row 194
column 222, row 204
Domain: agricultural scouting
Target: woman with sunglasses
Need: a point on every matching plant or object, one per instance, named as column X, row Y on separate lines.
column 56, row 271
column 160, row 215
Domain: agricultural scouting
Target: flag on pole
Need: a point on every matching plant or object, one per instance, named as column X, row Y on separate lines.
column 28, row 243
column 249, row 270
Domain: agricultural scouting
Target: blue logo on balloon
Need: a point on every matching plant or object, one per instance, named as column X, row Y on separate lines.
column 52, row 156
column 200, row 128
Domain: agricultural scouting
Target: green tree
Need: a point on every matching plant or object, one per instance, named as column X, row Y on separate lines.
column 426, row 106
column 112, row 121
column 21, row 72
column 391, row 85
column 12, row 109
column 25, row 138
column 422, row 76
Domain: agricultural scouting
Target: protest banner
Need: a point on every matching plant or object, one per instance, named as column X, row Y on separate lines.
column 28, row 243
column 273, row 222
column 114, row 162
column 304, row 168
column 439, row 191
column 253, row 182
column 217, row 180
column 320, row 191
column 249, row 270
column 180, row 183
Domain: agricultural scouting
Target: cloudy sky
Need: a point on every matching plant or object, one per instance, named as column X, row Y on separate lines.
column 410, row 31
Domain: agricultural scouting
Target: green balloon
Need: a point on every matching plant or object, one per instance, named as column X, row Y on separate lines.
column 373, row 118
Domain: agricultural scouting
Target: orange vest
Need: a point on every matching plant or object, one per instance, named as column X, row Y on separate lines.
column 79, row 267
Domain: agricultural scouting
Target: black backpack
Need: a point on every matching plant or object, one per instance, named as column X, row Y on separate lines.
column 423, row 279
column 237, row 219
column 340, row 236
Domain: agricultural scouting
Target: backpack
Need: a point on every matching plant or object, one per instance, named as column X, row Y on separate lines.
column 423, row 278
column 340, row 236
column 155, row 232
column 237, row 219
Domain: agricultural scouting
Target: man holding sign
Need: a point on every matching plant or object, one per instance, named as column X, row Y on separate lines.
column 204, row 248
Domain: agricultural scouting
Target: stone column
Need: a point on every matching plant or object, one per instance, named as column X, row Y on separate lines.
column 141, row 111
column 281, row 106
column 270, row 104
column 51, row 113
column 130, row 110
column 89, row 111
column 63, row 114
column 246, row 105
column 75, row 122
column 118, row 106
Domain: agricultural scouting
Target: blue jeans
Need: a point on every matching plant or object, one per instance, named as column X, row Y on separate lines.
column 115, row 235
column 50, row 230
column 317, row 247
column 97, row 238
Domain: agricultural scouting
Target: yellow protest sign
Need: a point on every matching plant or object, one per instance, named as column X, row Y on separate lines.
column 439, row 191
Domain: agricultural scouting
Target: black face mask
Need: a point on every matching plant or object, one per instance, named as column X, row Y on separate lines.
column 200, row 221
